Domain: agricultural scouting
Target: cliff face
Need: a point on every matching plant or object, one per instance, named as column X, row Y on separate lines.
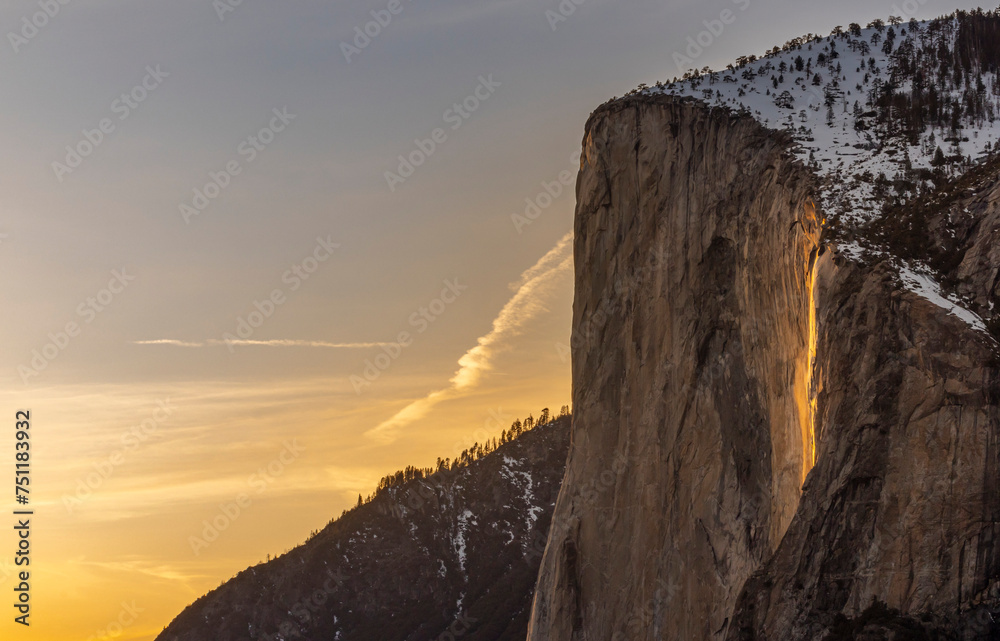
column 692, row 422
column 903, row 507
column 452, row 555
column 683, row 514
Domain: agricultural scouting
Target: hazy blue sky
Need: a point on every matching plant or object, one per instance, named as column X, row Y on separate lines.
column 197, row 87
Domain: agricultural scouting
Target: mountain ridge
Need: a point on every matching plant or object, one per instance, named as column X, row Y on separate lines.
column 786, row 386
column 894, row 530
column 423, row 557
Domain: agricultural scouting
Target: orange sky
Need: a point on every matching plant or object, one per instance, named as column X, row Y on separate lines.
column 120, row 304
column 127, row 475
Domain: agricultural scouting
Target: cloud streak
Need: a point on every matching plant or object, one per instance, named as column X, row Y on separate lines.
column 280, row 342
column 294, row 343
column 527, row 303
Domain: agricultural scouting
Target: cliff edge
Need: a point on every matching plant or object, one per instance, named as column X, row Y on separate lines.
column 695, row 239
column 774, row 437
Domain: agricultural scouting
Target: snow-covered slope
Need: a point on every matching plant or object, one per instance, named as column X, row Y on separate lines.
column 884, row 115
column 824, row 91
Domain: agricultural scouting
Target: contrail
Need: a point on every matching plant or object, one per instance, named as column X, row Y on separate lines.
column 168, row 341
column 284, row 342
column 527, row 303
column 281, row 342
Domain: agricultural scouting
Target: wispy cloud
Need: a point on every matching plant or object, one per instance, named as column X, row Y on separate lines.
column 139, row 565
column 295, row 343
column 168, row 341
column 531, row 292
column 280, row 342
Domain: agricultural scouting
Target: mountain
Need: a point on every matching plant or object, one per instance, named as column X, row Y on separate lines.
column 881, row 114
column 694, row 246
column 448, row 554
column 786, row 382
column 782, row 350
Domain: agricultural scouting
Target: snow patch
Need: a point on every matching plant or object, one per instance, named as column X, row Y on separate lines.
column 821, row 117
column 926, row 287
column 458, row 542
column 523, row 480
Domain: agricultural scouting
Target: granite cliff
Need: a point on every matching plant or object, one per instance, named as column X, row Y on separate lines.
column 792, row 397
column 695, row 239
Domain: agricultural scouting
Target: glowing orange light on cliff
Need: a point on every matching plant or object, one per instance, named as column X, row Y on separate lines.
column 805, row 396
column 810, row 458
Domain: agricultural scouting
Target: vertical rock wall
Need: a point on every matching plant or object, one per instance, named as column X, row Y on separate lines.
column 903, row 507
column 694, row 240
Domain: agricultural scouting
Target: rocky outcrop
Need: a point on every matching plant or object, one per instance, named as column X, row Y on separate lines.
column 955, row 230
column 694, row 238
column 903, row 506
column 702, row 297
column 452, row 555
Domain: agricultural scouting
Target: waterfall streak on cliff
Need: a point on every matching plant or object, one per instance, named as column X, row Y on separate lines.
column 810, row 435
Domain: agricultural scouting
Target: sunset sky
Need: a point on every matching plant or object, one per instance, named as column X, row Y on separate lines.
column 220, row 279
